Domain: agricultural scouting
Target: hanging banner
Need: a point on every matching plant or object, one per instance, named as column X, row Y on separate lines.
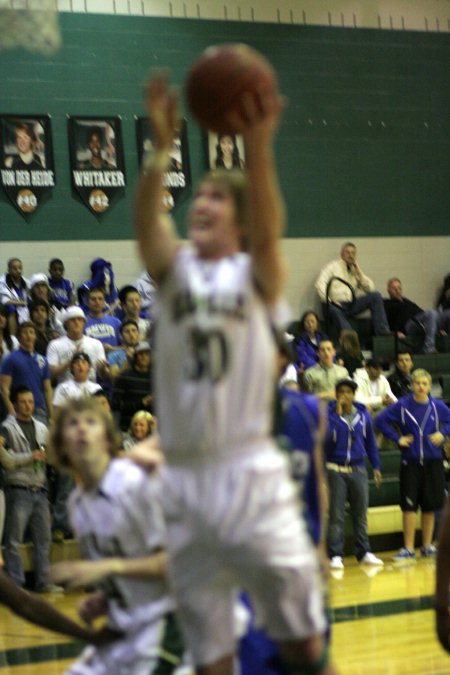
column 97, row 164
column 178, row 177
column 26, row 160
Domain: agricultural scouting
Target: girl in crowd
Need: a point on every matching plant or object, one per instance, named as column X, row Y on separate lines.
column 142, row 425
column 349, row 354
column 13, row 294
column 309, row 340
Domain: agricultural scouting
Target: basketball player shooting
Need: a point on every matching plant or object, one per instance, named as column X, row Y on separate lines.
column 230, row 508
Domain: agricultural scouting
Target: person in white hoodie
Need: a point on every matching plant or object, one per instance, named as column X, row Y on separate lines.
column 374, row 389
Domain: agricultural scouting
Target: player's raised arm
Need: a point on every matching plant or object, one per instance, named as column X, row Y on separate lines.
column 267, row 204
column 155, row 232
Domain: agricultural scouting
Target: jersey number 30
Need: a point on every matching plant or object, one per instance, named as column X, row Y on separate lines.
column 208, row 356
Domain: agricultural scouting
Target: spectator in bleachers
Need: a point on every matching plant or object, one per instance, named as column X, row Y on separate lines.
column 100, row 325
column 400, row 380
column 102, row 276
column 349, row 441
column 121, row 359
column 309, row 340
column 132, row 390
column 79, row 385
column 61, row 350
column 39, row 314
column 25, row 368
column 342, row 304
column 321, row 379
column 373, row 390
column 142, row 425
column 8, row 343
column 147, row 289
column 22, row 456
column 418, row 423
column 131, row 307
column 14, row 294
column 443, row 305
column 349, row 353
column 407, row 318
column 40, row 290
column 63, row 289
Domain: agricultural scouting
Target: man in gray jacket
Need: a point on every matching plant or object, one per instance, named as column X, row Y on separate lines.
column 22, row 455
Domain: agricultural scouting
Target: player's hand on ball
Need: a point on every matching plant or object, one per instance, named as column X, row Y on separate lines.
column 162, row 108
column 260, row 115
column 92, row 606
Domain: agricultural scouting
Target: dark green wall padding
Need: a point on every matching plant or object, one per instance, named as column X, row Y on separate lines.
column 364, row 148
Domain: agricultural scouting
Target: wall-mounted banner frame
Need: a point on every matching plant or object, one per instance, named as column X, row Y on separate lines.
column 26, row 160
column 177, row 178
column 96, row 158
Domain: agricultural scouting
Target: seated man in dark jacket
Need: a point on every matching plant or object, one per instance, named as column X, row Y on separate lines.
column 400, row 380
column 407, row 318
column 419, row 424
column 349, row 440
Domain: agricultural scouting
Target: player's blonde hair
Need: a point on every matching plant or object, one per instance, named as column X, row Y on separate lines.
column 421, row 372
column 57, row 453
column 235, row 183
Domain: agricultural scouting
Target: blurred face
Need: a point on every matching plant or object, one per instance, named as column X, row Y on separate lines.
column 80, row 370
column 132, row 304
column 15, row 269
column 226, row 145
column 395, row 289
column 140, row 429
column 41, row 291
column 104, row 404
column 345, row 395
column 130, row 335
column 213, row 226
column 56, row 271
column 24, row 406
column 24, row 141
column 374, row 372
column 326, row 353
column 404, row 363
column 311, row 324
column 39, row 315
column 95, row 145
column 421, row 388
column 75, row 327
column 96, row 302
column 84, row 438
column 142, row 360
column 348, row 254
column 27, row 338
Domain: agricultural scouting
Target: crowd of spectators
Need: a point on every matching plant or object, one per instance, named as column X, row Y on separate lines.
column 59, row 343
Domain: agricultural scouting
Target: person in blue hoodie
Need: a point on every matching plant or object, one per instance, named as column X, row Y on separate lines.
column 309, row 340
column 418, row 423
column 349, row 440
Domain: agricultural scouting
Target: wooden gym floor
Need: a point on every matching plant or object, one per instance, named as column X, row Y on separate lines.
column 382, row 624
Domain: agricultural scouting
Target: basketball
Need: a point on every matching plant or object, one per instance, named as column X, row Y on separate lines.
column 217, row 80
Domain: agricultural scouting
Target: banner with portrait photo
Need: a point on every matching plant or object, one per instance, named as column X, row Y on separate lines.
column 26, row 159
column 97, row 163
column 224, row 151
column 177, row 179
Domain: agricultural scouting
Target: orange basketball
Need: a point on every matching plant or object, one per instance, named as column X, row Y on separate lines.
column 219, row 77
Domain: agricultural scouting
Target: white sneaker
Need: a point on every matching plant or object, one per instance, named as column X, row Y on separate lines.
column 336, row 563
column 371, row 559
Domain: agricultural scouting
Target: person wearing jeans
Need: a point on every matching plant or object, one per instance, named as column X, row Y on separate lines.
column 22, row 455
column 349, row 439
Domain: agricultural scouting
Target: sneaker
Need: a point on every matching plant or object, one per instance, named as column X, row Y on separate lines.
column 49, row 588
column 371, row 559
column 336, row 563
column 405, row 555
column 428, row 551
